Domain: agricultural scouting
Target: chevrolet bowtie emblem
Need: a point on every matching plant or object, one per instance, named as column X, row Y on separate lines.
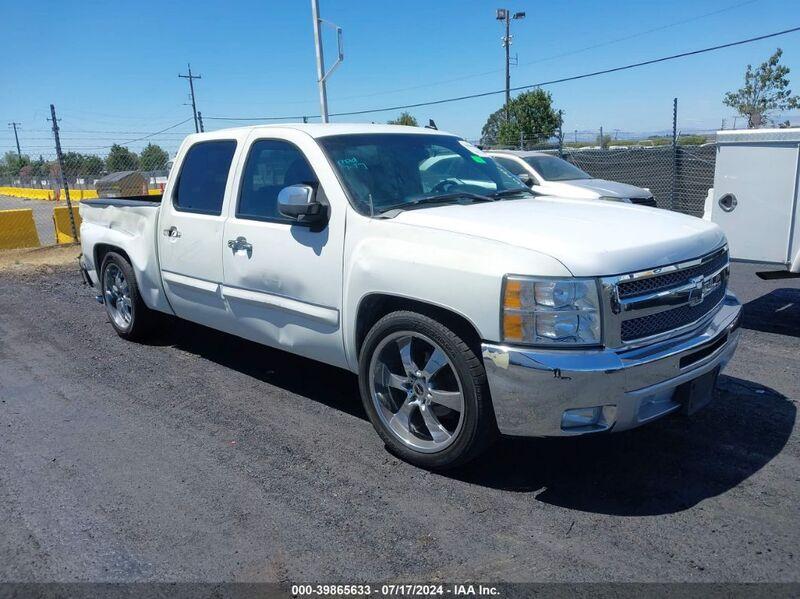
column 702, row 287
column 698, row 292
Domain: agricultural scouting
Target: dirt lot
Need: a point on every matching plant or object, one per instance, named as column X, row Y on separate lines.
column 206, row 458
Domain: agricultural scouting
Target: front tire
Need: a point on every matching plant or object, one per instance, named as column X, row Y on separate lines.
column 126, row 310
column 425, row 391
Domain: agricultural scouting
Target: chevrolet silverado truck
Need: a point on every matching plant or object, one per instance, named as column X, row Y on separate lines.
column 468, row 306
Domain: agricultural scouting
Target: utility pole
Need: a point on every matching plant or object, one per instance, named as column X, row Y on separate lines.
column 191, row 79
column 200, row 121
column 505, row 15
column 601, row 138
column 322, row 76
column 64, row 182
column 16, row 137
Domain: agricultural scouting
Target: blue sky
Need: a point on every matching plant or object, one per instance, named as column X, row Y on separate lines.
column 111, row 67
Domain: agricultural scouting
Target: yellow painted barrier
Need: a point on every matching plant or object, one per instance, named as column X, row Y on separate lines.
column 75, row 195
column 28, row 193
column 62, row 225
column 17, row 229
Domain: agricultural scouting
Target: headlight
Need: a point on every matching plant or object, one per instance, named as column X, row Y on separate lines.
column 551, row 311
column 614, row 199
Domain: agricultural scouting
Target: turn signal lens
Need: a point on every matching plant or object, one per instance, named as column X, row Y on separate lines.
column 512, row 327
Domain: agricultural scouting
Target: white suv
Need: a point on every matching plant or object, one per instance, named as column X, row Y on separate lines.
column 553, row 176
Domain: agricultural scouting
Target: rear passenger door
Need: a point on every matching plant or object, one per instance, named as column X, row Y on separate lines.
column 190, row 232
column 283, row 280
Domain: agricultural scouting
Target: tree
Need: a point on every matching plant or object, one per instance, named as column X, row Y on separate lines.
column 405, row 118
column 530, row 115
column 39, row 168
column 603, row 142
column 766, row 90
column 93, row 166
column 11, row 164
column 153, row 158
column 121, row 159
column 73, row 164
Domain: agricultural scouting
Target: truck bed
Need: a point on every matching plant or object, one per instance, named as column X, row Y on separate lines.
column 130, row 224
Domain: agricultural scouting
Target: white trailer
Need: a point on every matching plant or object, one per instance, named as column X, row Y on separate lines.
column 756, row 195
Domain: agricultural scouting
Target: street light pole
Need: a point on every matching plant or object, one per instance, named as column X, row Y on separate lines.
column 322, row 76
column 503, row 14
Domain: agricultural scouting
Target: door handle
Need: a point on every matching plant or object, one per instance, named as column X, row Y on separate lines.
column 241, row 244
column 172, row 232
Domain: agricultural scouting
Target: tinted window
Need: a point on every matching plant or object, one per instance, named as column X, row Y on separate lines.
column 271, row 166
column 510, row 165
column 201, row 185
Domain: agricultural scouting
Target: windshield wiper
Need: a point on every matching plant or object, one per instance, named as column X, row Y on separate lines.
column 435, row 199
column 510, row 192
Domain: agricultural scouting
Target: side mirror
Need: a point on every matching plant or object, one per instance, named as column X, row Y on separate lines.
column 298, row 202
column 527, row 179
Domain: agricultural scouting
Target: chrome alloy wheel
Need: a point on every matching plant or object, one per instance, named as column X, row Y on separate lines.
column 116, row 293
column 416, row 391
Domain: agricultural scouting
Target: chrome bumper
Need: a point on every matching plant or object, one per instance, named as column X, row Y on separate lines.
column 531, row 388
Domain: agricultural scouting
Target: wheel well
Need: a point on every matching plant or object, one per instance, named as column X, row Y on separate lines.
column 100, row 251
column 376, row 306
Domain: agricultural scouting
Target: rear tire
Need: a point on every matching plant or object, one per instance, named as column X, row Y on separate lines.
column 127, row 312
column 425, row 391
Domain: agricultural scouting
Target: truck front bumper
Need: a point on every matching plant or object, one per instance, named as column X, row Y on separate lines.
column 532, row 389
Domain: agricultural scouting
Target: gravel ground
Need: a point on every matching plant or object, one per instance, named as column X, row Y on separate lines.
column 202, row 457
column 42, row 214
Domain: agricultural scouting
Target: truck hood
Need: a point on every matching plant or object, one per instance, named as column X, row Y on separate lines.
column 590, row 238
column 598, row 186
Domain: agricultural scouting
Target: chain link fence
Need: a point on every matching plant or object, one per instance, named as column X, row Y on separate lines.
column 678, row 176
column 85, row 174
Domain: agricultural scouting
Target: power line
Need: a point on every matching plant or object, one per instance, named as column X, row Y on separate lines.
column 540, row 60
column 521, row 87
column 130, row 141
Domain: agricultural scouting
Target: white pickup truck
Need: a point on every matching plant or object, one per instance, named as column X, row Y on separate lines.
column 467, row 306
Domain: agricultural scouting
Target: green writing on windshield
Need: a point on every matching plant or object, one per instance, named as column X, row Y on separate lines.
column 478, row 159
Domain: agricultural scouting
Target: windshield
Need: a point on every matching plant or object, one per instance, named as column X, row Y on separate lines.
column 388, row 171
column 552, row 168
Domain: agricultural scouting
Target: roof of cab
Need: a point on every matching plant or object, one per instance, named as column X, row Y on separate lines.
column 328, row 129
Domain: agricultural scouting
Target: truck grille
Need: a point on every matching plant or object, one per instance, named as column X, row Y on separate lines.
column 654, row 303
column 661, row 322
column 673, row 279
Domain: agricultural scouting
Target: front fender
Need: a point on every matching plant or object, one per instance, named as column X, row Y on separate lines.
column 457, row 272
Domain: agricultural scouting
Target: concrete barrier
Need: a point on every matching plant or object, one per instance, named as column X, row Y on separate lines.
column 17, row 229
column 75, row 195
column 62, row 225
column 28, row 193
